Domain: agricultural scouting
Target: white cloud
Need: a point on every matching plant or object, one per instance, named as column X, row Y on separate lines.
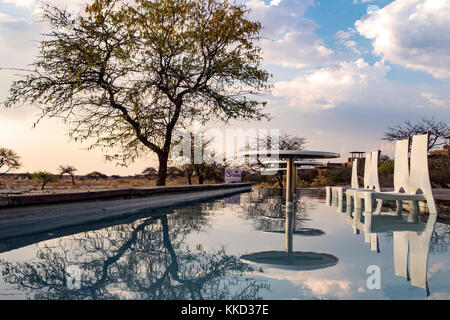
column 298, row 49
column 20, row 3
column 5, row 18
column 440, row 296
column 344, row 35
column 412, row 33
column 346, row 82
column 320, row 286
column 289, row 39
column 435, row 100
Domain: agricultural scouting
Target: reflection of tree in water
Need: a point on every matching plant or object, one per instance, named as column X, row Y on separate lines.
column 266, row 208
column 143, row 260
column 440, row 240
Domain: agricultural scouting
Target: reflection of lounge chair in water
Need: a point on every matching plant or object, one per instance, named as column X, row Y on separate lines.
column 417, row 244
column 354, row 218
column 411, row 238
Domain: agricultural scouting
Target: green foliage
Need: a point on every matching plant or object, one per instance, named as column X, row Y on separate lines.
column 386, row 168
column 125, row 74
column 45, row 177
column 338, row 176
column 439, row 172
column 320, row 181
column 386, row 173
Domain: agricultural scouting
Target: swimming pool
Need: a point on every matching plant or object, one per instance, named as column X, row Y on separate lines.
column 231, row 248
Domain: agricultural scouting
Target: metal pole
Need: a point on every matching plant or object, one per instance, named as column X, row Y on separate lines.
column 295, row 180
column 289, row 181
column 289, row 228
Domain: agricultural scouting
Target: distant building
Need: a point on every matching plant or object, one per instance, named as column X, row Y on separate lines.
column 444, row 152
column 355, row 155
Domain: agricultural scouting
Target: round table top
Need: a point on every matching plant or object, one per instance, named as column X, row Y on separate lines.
column 297, row 163
column 268, row 170
column 303, row 154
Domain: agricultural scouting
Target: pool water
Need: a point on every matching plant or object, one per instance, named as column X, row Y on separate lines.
column 232, row 248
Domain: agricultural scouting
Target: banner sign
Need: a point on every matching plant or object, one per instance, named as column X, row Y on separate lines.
column 233, row 175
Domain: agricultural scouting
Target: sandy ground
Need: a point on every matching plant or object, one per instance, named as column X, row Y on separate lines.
column 13, row 186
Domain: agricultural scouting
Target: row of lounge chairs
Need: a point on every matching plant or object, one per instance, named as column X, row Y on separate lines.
column 411, row 236
column 411, row 179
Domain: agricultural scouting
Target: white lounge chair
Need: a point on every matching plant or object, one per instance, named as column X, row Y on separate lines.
column 411, row 186
column 333, row 192
column 371, row 181
column 336, row 194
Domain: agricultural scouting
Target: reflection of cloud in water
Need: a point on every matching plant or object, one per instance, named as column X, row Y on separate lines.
column 318, row 285
column 440, row 296
column 438, row 267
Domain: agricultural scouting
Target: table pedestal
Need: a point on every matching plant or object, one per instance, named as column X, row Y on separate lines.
column 290, row 180
column 289, row 227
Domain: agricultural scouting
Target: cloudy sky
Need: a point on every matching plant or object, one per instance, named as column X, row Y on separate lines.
column 343, row 70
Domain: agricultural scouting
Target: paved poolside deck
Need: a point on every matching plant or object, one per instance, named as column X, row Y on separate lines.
column 27, row 215
column 119, row 193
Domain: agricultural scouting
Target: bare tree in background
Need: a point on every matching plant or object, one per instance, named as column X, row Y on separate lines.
column 286, row 142
column 9, row 160
column 438, row 130
column 201, row 156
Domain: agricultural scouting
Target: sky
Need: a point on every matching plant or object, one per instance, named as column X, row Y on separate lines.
column 342, row 72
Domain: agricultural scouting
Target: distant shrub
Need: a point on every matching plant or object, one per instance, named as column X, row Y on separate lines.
column 308, row 175
column 337, row 176
column 96, row 175
column 386, row 173
column 320, row 181
column 439, row 172
column 44, row 177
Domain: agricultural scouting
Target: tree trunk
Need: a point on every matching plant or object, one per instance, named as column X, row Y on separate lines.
column 201, row 179
column 73, row 180
column 189, row 175
column 162, row 171
column 280, row 179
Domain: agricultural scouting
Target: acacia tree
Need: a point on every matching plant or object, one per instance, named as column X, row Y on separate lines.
column 68, row 170
column 126, row 73
column 150, row 173
column 9, row 160
column 201, row 164
column 96, row 175
column 438, row 130
column 44, row 177
column 285, row 142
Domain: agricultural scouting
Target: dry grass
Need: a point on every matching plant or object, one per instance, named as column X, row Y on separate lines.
column 13, row 185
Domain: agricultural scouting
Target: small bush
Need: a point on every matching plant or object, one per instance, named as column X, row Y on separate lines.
column 336, row 176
